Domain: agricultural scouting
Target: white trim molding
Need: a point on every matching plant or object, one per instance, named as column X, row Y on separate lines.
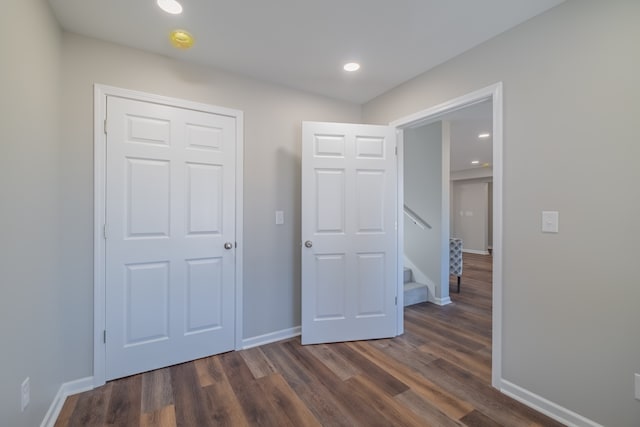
column 101, row 92
column 65, row 390
column 440, row 301
column 474, row 251
column 271, row 337
column 400, row 232
column 545, row 406
column 493, row 93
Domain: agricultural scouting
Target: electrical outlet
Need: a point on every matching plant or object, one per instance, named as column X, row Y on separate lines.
column 25, row 394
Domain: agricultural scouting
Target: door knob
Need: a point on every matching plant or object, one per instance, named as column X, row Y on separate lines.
column 228, row 245
column 308, row 243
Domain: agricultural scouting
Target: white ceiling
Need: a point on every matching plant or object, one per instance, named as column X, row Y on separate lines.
column 302, row 43
column 466, row 125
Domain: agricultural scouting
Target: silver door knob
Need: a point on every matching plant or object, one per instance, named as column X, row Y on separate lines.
column 308, row 243
column 228, row 245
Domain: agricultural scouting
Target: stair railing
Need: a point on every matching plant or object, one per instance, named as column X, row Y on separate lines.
column 416, row 219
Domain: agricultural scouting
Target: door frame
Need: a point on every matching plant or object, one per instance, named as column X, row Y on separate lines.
column 101, row 92
column 493, row 93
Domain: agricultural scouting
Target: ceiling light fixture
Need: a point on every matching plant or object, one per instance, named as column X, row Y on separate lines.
column 351, row 66
column 181, row 39
column 484, row 135
column 170, row 6
column 475, row 162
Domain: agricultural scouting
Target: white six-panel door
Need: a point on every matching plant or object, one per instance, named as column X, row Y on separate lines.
column 349, row 245
column 170, row 197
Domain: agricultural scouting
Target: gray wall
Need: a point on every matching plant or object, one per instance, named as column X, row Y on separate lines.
column 470, row 214
column 571, row 97
column 423, row 195
column 571, row 102
column 32, row 315
column 272, row 126
column 46, row 306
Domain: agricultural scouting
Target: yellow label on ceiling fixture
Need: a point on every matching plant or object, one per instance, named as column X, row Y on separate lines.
column 181, row 39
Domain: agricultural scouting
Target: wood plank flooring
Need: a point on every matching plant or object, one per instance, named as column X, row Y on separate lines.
column 437, row 374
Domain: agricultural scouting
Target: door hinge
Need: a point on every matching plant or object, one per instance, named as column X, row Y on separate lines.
column 104, row 336
column 396, row 300
column 396, row 148
column 104, row 231
column 105, row 126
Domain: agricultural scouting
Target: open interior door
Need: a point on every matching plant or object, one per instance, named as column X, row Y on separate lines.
column 349, row 232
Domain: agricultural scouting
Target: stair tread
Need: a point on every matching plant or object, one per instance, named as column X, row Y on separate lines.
column 414, row 285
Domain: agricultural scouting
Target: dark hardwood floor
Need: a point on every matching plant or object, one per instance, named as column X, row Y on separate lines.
column 437, row 374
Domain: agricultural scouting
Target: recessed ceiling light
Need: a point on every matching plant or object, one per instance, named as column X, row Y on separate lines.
column 484, row 135
column 181, row 39
column 170, row 6
column 351, row 66
column 475, row 162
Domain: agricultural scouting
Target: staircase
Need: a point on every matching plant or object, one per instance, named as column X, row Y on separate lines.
column 414, row 292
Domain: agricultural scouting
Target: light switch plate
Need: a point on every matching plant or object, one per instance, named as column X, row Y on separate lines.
column 550, row 221
column 637, row 386
column 279, row 217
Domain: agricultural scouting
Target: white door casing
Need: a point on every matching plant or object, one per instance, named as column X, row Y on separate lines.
column 170, row 209
column 493, row 93
column 349, row 248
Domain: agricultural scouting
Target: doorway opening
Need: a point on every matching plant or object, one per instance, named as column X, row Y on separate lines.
column 413, row 123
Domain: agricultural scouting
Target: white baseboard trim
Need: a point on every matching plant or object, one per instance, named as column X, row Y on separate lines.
column 440, row 301
column 474, row 251
column 65, row 390
column 271, row 337
column 545, row 406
